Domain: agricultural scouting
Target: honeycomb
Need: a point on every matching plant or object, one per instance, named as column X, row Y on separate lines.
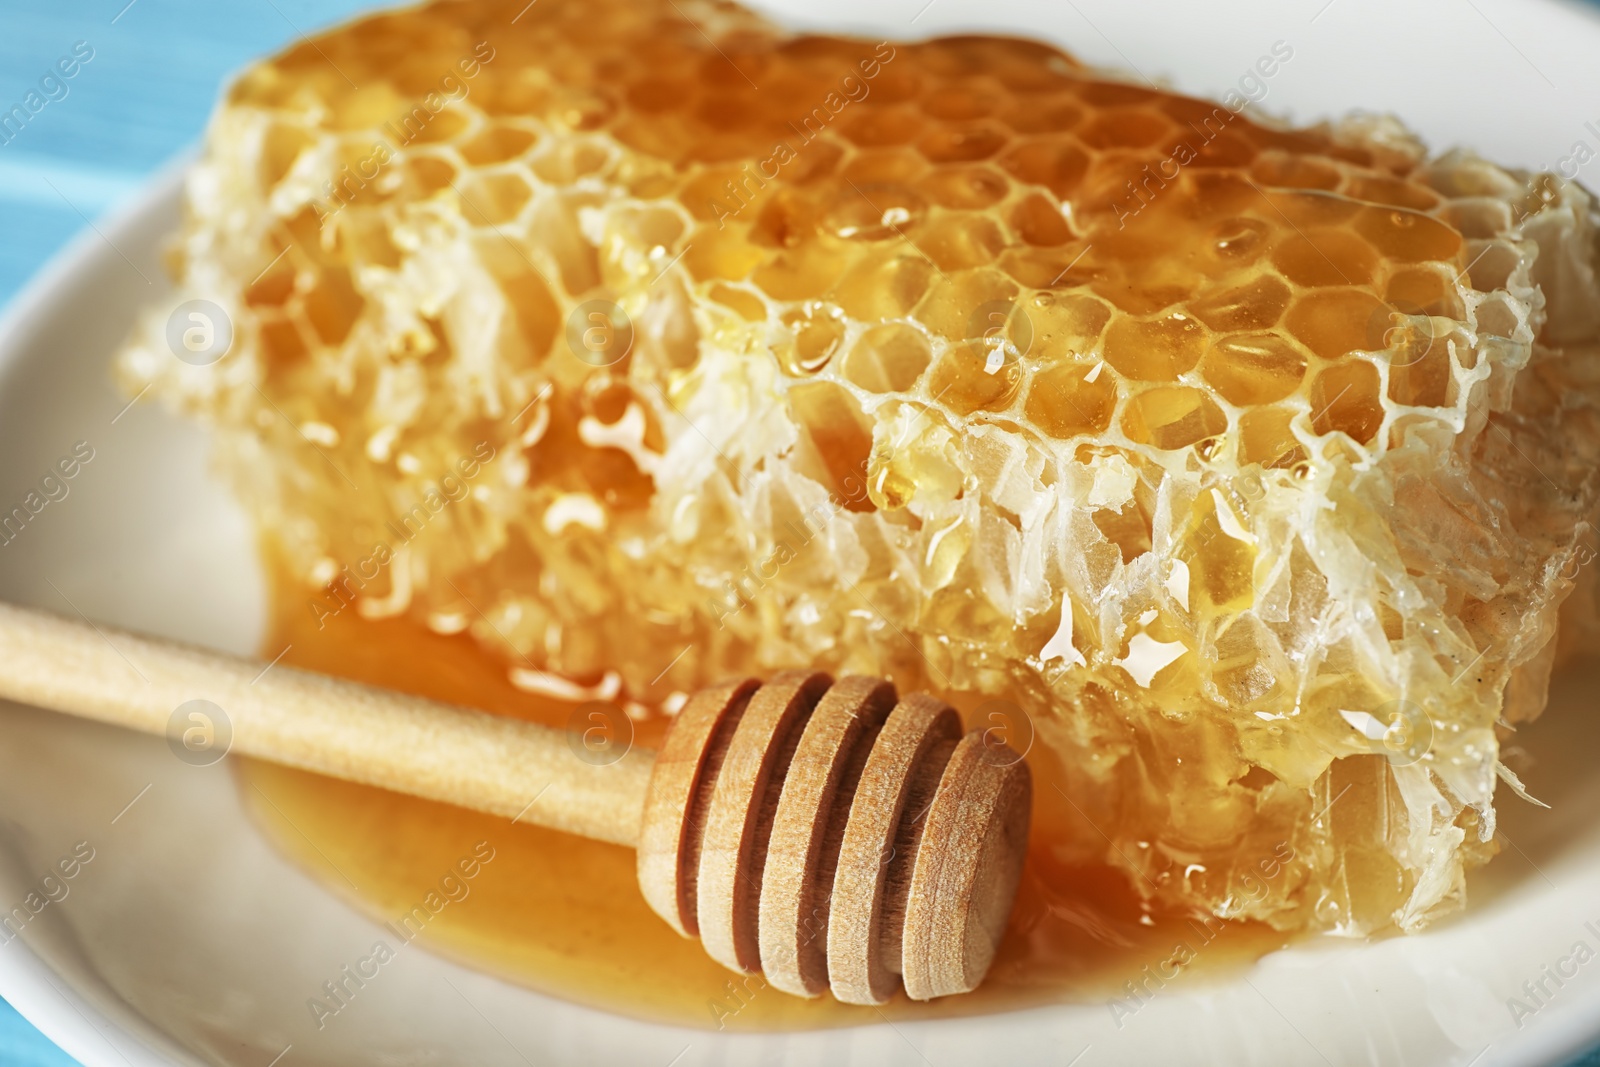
column 649, row 343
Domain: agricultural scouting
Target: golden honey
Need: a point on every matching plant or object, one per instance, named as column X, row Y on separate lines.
column 1243, row 464
column 564, row 915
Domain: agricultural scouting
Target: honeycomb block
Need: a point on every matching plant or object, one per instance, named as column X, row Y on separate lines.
column 1250, row 462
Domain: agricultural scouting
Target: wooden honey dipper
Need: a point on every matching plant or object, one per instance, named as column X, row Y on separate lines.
column 823, row 832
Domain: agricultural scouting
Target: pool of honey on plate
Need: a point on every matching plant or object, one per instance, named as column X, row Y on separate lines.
column 563, row 915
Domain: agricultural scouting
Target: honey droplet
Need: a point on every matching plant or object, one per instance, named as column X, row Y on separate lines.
column 1239, row 238
column 818, row 332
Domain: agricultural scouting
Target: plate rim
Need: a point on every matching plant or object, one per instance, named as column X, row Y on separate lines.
column 83, row 1031
column 25, row 976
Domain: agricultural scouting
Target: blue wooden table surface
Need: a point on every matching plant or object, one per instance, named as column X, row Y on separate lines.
column 141, row 97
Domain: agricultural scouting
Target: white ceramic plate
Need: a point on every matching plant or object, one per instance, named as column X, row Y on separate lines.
column 187, row 939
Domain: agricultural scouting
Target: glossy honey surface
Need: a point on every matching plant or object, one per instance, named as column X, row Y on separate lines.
column 564, row 915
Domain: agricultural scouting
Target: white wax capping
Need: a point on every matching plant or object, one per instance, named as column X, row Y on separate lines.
column 320, row 433
column 539, row 423
column 554, row 685
column 1230, row 522
column 574, row 509
column 1509, row 778
column 381, row 444
column 448, row 622
column 1178, row 582
column 997, row 358
column 399, row 598
column 1060, row 645
column 1367, row 724
column 627, row 433
column 1114, row 479
column 1148, row 657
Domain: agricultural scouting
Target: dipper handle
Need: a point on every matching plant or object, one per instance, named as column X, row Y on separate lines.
column 826, row 833
column 342, row 729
